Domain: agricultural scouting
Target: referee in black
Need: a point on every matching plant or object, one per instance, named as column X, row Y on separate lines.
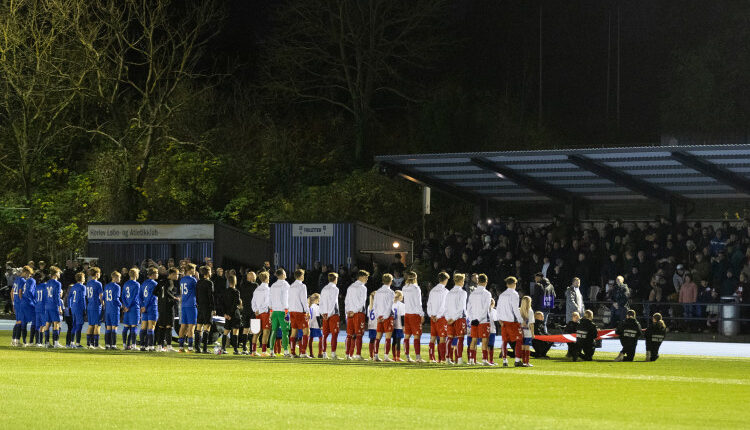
column 232, row 315
column 204, row 296
column 166, row 293
column 247, row 288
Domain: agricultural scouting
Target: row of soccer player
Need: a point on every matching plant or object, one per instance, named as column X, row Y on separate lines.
column 452, row 313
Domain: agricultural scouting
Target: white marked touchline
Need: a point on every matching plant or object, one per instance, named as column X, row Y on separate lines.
column 638, row 377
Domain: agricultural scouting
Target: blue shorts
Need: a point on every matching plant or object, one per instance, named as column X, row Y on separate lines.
column 112, row 318
column 94, row 316
column 491, row 340
column 372, row 334
column 51, row 316
column 398, row 333
column 132, row 316
column 316, row 332
column 189, row 315
column 151, row 314
column 527, row 341
column 25, row 313
column 40, row 319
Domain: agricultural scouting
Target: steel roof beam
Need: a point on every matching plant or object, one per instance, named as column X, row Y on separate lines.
column 526, row 181
column 422, row 179
column 627, row 181
column 720, row 173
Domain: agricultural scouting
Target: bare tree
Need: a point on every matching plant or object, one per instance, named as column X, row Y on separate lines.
column 347, row 53
column 148, row 68
column 43, row 72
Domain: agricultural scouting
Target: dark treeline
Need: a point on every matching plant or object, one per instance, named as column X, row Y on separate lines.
column 252, row 111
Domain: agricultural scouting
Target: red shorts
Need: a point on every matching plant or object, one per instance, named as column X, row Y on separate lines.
column 511, row 331
column 385, row 326
column 297, row 320
column 355, row 326
column 265, row 321
column 439, row 328
column 481, row 331
column 458, row 328
column 412, row 325
column 330, row 325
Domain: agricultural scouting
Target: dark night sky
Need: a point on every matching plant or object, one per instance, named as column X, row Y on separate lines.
column 500, row 45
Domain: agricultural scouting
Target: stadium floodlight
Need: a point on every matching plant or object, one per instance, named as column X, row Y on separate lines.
column 489, row 220
column 396, row 244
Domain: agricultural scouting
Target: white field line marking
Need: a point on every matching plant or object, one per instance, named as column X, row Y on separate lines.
column 689, row 379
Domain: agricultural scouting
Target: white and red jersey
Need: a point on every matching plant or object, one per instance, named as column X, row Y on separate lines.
column 455, row 303
column 372, row 320
column 356, row 297
column 493, row 320
column 507, row 306
column 298, row 297
column 478, row 306
column 314, row 316
column 413, row 299
column 260, row 301
column 436, row 301
column 398, row 315
column 384, row 302
column 329, row 299
column 279, row 296
column 526, row 323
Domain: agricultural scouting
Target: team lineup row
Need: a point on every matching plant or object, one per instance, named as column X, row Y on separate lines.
column 280, row 307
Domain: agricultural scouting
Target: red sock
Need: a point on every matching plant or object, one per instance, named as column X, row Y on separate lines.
column 324, row 340
column 309, row 346
column 519, row 346
column 460, row 348
column 417, row 346
column 320, row 346
column 303, row 347
column 528, row 355
column 432, row 350
column 293, row 341
column 277, row 346
column 346, row 346
column 372, row 348
column 253, row 347
column 377, row 346
column 387, row 346
column 484, row 354
column 491, row 354
column 449, row 348
column 406, row 348
column 504, row 350
column 359, row 345
column 334, row 341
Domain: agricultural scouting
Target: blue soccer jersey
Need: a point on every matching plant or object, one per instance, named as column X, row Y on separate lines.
column 18, row 285
column 94, row 293
column 148, row 299
column 187, row 291
column 77, row 299
column 131, row 295
column 40, row 298
column 29, row 293
column 112, row 301
column 52, row 294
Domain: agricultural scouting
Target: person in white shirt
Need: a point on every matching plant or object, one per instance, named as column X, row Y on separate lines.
column 259, row 305
column 279, row 307
column 527, row 327
column 354, row 306
column 315, row 331
column 493, row 333
column 510, row 320
column 329, row 311
column 455, row 313
column 398, row 324
column 298, row 312
column 478, row 312
column 413, row 315
column 372, row 325
column 436, row 312
column 384, row 313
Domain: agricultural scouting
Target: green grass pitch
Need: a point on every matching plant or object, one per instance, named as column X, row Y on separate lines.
column 49, row 389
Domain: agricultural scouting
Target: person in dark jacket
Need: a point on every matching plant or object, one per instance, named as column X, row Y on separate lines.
column 247, row 289
column 572, row 327
column 545, row 297
column 654, row 337
column 586, row 334
column 166, row 291
column 629, row 332
column 540, row 347
column 620, row 299
column 207, row 307
column 232, row 307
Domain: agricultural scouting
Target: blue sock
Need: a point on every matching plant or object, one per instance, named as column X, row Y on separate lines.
column 34, row 332
column 46, row 337
column 190, row 342
column 141, row 335
column 181, row 342
column 96, row 340
column 55, row 335
column 125, row 337
column 88, row 339
column 150, row 338
column 23, row 332
column 15, row 331
column 131, row 336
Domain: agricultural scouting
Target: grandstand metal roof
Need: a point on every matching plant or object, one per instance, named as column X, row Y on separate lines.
column 670, row 174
